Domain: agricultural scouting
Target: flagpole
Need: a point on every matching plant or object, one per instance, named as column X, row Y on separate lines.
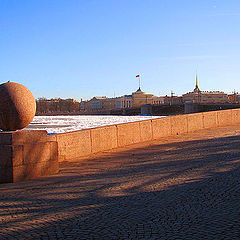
column 139, row 80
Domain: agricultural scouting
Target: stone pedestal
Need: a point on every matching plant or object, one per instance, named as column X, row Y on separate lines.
column 26, row 155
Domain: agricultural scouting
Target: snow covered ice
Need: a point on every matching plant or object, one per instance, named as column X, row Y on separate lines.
column 61, row 124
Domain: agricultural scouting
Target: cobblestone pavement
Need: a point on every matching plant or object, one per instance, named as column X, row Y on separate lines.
column 183, row 187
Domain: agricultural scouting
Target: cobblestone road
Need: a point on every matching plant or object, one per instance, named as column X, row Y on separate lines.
column 184, row 187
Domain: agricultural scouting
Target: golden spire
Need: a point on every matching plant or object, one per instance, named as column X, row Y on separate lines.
column 196, row 89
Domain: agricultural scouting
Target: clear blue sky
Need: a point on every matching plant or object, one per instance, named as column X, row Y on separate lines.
column 85, row 48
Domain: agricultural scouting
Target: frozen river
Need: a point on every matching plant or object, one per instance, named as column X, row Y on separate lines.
column 61, row 124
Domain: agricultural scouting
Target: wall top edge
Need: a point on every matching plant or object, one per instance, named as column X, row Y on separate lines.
column 22, row 132
column 161, row 117
column 106, row 126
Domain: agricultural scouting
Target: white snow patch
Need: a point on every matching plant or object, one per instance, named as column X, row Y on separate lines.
column 61, row 124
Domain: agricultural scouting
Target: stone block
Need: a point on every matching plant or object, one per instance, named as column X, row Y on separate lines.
column 34, row 170
column 103, row 138
column 161, row 127
column 6, row 156
column 10, row 155
column 128, row 133
column 28, row 136
column 17, row 155
column 5, row 138
column 22, row 137
column 224, row 117
column 146, row 130
column 6, row 174
column 178, row 124
column 52, row 138
column 34, row 153
column 235, row 116
column 74, row 145
column 210, row 119
column 195, row 122
column 25, row 157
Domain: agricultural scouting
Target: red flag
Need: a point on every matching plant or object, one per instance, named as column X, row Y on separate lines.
column 138, row 76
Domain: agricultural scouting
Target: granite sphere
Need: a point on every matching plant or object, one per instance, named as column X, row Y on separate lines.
column 17, row 106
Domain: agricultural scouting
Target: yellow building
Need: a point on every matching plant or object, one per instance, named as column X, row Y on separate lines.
column 140, row 98
column 136, row 99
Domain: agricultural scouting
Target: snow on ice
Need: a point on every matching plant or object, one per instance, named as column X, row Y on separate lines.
column 61, row 124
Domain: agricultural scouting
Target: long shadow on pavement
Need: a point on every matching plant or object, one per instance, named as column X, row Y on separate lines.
column 184, row 190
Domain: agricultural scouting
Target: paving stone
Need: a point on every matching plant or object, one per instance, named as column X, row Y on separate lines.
column 182, row 187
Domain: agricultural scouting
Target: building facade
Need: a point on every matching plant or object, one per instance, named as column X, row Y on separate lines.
column 140, row 98
column 157, row 100
column 57, row 105
column 135, row 100
column 234, row 98
column 208, row 97
column 173, row 100
column 124, row 102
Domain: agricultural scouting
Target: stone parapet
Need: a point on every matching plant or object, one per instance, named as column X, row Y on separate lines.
column 128, row 133
column 72, row 146
column 29, row 154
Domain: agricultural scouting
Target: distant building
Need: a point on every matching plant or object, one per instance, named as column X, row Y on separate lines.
column 100, row 103
column 109, row 103
column 173, row 100
column 198, row 96
column 234, row 98
column 83, row 105
column 140, row 98
column 96, row 103
column 57, row 105
column 124, row 102
column 136, row 99
column 157, row 100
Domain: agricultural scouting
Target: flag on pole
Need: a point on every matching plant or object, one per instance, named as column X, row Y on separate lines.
column 138, row 76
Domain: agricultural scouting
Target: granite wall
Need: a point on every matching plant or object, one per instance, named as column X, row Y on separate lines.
column 30, row 154
column 74, row 145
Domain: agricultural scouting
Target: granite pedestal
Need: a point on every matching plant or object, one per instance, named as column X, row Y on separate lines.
column 26, row 155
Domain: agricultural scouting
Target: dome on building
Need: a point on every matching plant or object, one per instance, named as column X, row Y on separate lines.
column 139, row 90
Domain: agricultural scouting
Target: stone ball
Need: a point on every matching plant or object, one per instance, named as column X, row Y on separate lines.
column 17, row 106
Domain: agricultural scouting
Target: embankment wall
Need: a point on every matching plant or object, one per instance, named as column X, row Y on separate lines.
column 74, row 145
column 30, row 154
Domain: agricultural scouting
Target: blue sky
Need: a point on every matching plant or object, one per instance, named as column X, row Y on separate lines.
column 80, row 49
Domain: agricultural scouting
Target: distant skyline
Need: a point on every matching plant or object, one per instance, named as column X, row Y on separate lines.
column 80, row 49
